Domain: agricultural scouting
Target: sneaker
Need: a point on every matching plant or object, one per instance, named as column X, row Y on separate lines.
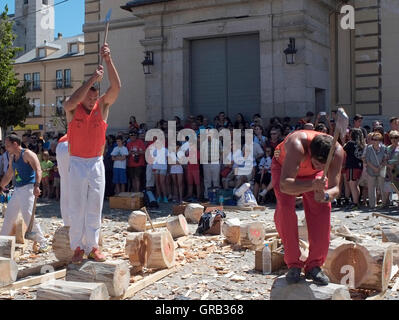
column 165, row 199
column 78, row 256
column 96, row 255
column 44, row 247
column 293, row 275
column 159, row 199
column 318, row 276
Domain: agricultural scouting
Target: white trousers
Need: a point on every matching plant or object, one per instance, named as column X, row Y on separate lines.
column 63, row 169
column 211, row 176
column 22, row 200
column 86, row 196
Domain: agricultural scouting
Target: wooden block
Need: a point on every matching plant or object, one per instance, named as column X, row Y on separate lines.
column 277, row 260
column 177, row 226
column 7, row 247
column 137, row 221
column 8, row 271
column 231, row 230
column 128, row 203
column 70, row 290
column 193, row 212
column 179, row 208
column 160, row 250
column 252, row 235
column 306, row 290
column 114, row 274
column 136, row 249
column 216, row 227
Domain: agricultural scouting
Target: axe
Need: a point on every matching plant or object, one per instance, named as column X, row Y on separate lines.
column 341, row 124
column 29, row 234
column 106, row 21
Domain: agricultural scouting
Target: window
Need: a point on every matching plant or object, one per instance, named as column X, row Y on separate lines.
column 45, row 2
column 25, row 1
column 36, row 81
column 67, row 78
column 58, row 105
column 58, row 81
column 42, row 53
column 74, row 48
column 28, row 81
column 36, row 103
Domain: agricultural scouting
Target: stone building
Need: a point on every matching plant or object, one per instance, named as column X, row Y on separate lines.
column 228, row 55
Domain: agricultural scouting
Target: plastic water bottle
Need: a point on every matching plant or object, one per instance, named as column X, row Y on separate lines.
column 266, row 260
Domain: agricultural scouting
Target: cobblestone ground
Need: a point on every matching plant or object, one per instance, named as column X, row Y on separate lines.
column 207, row 269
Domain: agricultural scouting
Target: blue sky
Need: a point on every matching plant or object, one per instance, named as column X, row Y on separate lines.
column 69, row 16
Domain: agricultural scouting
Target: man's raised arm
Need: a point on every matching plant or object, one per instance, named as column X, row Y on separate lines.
column 115, row 83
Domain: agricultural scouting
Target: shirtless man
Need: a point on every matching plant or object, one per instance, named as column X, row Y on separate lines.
column 297, row 169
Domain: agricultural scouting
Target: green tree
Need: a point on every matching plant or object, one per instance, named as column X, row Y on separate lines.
column 14, row 106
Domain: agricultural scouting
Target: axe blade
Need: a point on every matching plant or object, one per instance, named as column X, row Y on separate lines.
column 342, row 122
column 108, row 16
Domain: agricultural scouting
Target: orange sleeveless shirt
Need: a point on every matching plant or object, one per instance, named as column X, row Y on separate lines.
column 305, row 167
column 86, row 133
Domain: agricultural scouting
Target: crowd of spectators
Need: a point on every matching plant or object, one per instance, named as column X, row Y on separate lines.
column 370, row 174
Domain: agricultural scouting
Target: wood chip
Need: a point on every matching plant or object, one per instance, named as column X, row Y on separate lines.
column 205, row 296
column 237, row 278
column 229, row 274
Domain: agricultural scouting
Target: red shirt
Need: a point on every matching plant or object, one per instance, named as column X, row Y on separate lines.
column 140, row 146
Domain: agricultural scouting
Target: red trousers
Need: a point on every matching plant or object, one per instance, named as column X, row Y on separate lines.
column 317, row 220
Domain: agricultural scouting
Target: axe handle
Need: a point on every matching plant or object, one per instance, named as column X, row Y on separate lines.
column 331, row 153
column 105, row 40
column 32, row 217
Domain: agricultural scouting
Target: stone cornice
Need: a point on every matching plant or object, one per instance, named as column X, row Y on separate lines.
column 98, row 26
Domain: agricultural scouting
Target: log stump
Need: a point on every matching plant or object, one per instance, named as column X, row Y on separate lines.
column 8, row 271
column 69, row 290
column 307, row 290
column 114, row 274
column 177, row 226
column 231, row 230
column 193, row 212
column 390, row 235
column 136, row 249
column 62, row 246
column 137, row 221
column 252, row 235
column 18, row 230
column 160, row 250
column 371, row 263
column 7, row 247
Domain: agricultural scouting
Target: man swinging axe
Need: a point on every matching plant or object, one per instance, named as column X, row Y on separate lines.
column 308, row 163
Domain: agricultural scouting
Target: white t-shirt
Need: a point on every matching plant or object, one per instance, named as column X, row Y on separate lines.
column 120, row 151
column 160, row 159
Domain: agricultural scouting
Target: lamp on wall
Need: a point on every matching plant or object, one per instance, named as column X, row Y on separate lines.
column 290, row 52
column 148, row 62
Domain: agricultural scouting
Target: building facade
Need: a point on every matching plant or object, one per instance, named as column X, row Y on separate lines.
column 52, row 71
column 228, row 55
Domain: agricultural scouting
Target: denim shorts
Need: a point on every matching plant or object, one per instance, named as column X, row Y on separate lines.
column 119, row 176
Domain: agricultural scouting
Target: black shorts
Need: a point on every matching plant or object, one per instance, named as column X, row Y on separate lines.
column 135, row 172
column 266, row 178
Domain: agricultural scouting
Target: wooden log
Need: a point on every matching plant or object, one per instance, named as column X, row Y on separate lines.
column 385, row 216
column 216, row 227
column 307, row 290
column 62, row 245
column 136, row 249
column 252, row 235
column 179, row 208
column 371, row 263
column 231, row 230
column 390, row 234
column 69, row 290
column 8, row 271
column 177, row 226
column 19, row 230
column 137, row 221
column 41, row 269
column 193, row 212
column 7, row 247
column 114, row 274
column 160, row 250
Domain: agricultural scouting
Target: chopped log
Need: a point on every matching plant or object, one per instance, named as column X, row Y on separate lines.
column 19, row 230
column 307, row 290
column 231, row 230
column 177, row 226
column 136, row 249
column 179, row 208
column 114, row 274
column 7, row 247
column 216, row 227
column 69, row 290
column 137, row 221
column 41, row 269
column 385, row 216
column 193, row 212
column 371, row 263
column 390, row 235
column 8, row 271
column 252, row 235
column 160, row 250
column 62, row 245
